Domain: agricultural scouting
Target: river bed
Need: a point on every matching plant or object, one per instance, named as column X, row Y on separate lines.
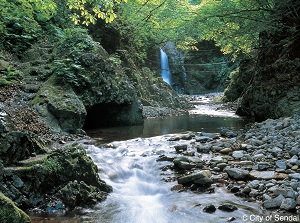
column 126, row 158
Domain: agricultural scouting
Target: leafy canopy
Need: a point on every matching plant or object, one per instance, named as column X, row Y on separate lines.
column 233, row 24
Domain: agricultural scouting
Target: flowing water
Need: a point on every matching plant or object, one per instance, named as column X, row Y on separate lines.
column 141, row 189
column 142, row 196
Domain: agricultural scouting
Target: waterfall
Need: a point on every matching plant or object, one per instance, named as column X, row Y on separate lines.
column 165, row 70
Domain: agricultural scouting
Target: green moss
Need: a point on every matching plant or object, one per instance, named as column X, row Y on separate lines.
column 10, row 213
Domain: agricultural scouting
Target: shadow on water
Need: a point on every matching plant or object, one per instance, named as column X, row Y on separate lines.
column 169, row 125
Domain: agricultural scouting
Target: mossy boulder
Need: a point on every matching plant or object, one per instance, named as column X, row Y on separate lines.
column 59, row 106
column 63, row 179
column 10, row 213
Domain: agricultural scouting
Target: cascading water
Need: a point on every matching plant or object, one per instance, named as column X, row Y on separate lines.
column 165, row 69
column 141, row 196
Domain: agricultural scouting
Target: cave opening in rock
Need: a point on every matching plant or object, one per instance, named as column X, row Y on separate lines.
column 111, row 114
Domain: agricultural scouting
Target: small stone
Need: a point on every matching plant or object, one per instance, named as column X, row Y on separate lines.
column 238, row 154
column 226, row 151
column 180, row 148
column 209, row 209
column 227, row 207
column 236, row 173
column 177, row 187
column 295, row 176
column 231, row 219
column 281, row 164
column 222, row 165
column 202, row 139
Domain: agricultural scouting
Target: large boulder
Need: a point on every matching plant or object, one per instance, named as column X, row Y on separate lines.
column 10, row 213
column 59, row 106
column 63, row 179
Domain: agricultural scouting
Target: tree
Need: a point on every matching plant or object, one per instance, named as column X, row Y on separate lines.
column 20, row 20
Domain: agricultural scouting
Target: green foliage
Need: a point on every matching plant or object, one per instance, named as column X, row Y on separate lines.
column 69, row 73
column 74, row 44
column 19, row 22
column 52, row 165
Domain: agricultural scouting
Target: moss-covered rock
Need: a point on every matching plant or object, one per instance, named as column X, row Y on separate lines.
column 59, row 106
column 10, row 213
column 63, row 179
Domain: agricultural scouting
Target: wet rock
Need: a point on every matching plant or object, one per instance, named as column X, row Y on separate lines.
column 180, row 148
column 217, row 159
column 162, row 158
column 295, row 150
column 293, row 160
column 209, row 209
column 185, row 165
column 236, row 173
column 274, row 202
column 204, row 148
column 202, row 178
column 202, row 139
column 288, row 204
column 228, row 133
column 177, row 187
column 227, row 207
column 286, row 192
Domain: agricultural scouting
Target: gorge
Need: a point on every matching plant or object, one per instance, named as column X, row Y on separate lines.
column 94, row 127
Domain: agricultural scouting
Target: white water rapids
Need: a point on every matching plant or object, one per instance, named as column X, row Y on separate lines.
column 141, row 196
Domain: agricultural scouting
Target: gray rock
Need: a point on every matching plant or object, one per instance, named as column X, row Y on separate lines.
column 281, row 164
column 186, row 166
column 274, row 202
column 288, row 204
column 295, row 176
column 236, row 173
column 261, row 166
column 293, row 160
column 202, row 178
column 298, row 200
column 238, row 154
column 295, row 150
column 217, row 159
column 180, row 148
column 286, row 192
column 266, row 175
column 202, row 139
column 276, row 151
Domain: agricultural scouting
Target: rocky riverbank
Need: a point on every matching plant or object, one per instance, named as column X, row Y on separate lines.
column 261, row 164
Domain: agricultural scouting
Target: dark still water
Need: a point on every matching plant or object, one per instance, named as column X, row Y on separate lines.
column 169, row 125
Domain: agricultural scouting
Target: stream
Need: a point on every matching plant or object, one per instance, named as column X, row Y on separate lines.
column 142, row 189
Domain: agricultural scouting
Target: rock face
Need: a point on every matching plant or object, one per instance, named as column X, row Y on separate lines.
column 89, row 91
column 66, row 178
column 273, row 89
column 16, row 145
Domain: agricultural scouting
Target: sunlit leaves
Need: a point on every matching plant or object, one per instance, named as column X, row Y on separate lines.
column 88, row 11
column 233, row 24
